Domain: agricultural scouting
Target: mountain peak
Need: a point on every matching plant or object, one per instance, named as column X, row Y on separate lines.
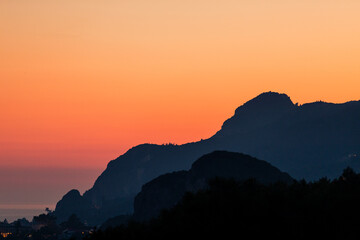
column 266, row 100
column 258, row 112
column 74, row 193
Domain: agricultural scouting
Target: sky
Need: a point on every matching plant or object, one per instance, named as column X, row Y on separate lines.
column 82, row 81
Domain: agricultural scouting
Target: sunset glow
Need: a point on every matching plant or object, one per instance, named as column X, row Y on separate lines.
column 83, row 81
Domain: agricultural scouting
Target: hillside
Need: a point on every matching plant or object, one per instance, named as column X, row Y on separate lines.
column 167, row 190
column 229, row 210
column 308, row 141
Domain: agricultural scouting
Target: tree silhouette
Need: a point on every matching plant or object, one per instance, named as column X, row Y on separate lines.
column 230, row 209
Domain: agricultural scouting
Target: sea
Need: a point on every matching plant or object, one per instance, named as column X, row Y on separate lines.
column 12, row 212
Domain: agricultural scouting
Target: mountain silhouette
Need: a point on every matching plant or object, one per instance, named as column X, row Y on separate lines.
column 73, row 203
column 228, row 209
column 309, row 141
column 167, row 190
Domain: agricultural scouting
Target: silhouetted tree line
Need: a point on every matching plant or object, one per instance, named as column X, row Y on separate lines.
column 234, row 210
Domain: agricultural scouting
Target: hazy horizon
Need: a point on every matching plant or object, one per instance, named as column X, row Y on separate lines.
column 30, row 190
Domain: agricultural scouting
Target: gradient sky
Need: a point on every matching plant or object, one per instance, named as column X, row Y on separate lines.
column 81, row 81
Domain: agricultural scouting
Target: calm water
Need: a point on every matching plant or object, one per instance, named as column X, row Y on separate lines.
column 14, row 212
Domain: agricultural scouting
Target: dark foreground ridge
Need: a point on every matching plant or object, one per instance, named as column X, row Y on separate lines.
column 225, row 209
column 229, row 210
column 167, row 190
column 309, row 141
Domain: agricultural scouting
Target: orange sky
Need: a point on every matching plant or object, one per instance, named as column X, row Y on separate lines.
column 81, row 81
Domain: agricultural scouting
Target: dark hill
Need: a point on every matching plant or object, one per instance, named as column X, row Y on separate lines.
column 308, row 141
column 167, row 190
column 228, row 209
column 73, row 203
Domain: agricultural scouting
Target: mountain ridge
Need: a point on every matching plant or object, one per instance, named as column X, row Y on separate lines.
column 167, row 190
column 308, row 141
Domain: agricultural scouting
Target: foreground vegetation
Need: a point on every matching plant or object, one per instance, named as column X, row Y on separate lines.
column 229, row 209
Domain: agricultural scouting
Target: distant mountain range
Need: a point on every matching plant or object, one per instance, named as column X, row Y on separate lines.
column 309, row 141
